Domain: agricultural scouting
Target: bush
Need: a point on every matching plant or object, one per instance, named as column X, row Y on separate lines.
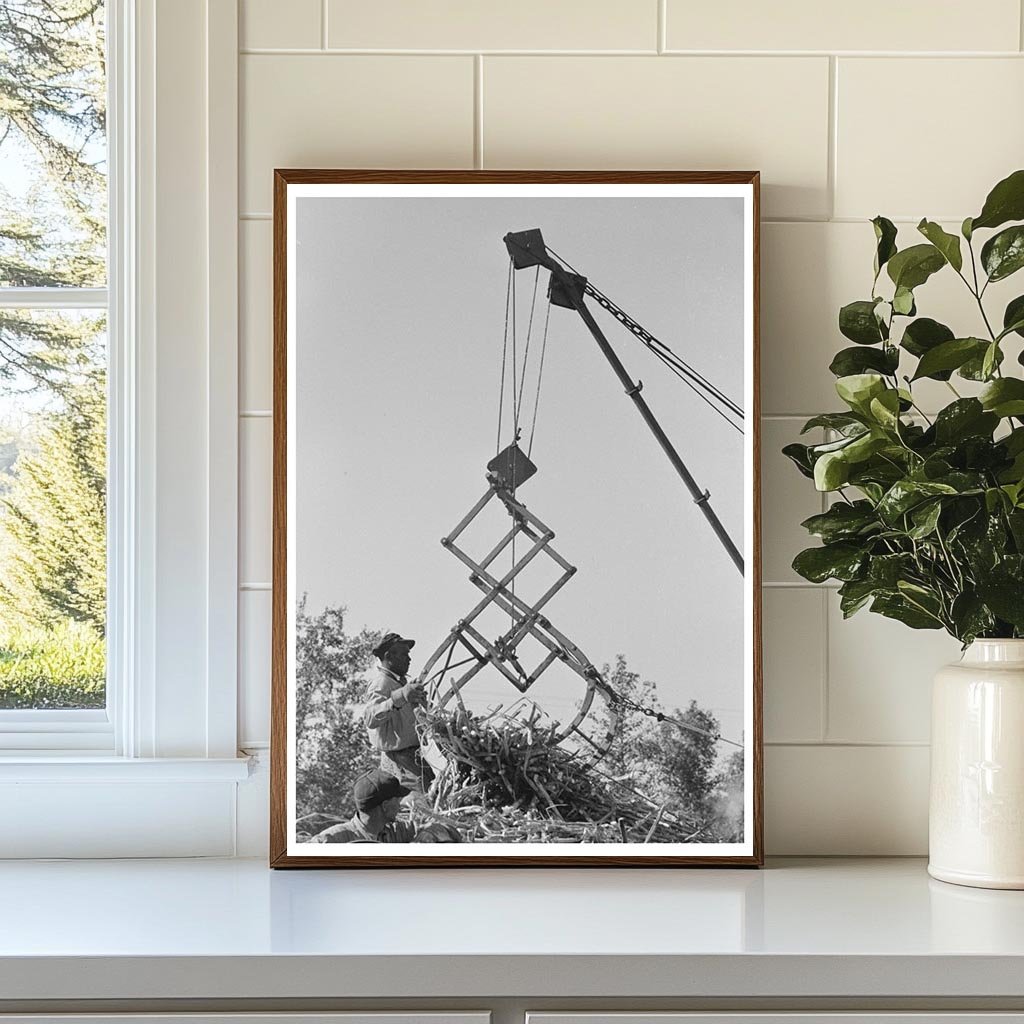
column 60, row 667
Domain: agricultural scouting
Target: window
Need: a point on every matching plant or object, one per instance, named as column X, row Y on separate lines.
column 53, row 367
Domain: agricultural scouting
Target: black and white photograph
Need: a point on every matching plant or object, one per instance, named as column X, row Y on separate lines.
column 516, row 565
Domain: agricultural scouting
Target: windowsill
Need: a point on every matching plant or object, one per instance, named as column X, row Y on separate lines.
column 78, row 766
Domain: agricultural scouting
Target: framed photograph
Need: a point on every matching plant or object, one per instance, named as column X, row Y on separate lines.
column 516, row 587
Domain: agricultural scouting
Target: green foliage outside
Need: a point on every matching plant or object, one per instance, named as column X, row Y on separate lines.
column 52, row 365
column 59, row 667
column 672, row 767
column 927, row 525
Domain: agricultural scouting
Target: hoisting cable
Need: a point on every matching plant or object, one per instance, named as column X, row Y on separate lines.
column 688, row 374
column 515, row 411
column 678, row 366
column 714, row 408
column 659, row 347
column 540, row 377
column 529, row 332
column 504, row 355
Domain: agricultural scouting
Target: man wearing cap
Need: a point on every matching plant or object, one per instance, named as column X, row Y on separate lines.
column 378, row 798
column 390, row 718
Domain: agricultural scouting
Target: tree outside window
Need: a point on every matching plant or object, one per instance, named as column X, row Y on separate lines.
column 53, row 216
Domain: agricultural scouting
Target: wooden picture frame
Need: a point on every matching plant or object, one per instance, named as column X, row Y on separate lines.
column 398, row 234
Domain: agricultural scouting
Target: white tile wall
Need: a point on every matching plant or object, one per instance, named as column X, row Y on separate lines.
column 255, row 510
column 921, row 121
column 333, row 110
column 472, row 25
column 261, row 25
column 253, row 667
column 702, row 113
column 256, row 356
column 793, row 626
column 971, row 110
column 873, row 25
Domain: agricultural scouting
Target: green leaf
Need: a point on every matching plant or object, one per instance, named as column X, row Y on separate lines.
column 865, row 446
column 970, row 616
column 887, row 570
column 990, row 360
column 906, row 494
column 1003, row 254
column 897, row 607
column 1013, row 316
column 1004, row 397
column 849, row 361
column 950, row 355
column 912, row 267
column 831, row 471
column 799, row 455
column 947, row 244
column 1005, row 596
column 925, row 518
column 885, row 237
column 923, row 335
column 842, row 521
column 903, row 302
column 966, row 417
column 858, row 389
column 1005, row 202
column 841, row 421
column 857, row 321
column 974, row 368
column 965, row 229
column 854, row 595
column 885, row 409
column 842, row 561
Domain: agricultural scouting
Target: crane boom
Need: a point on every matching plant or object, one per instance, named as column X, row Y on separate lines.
column 567, row 289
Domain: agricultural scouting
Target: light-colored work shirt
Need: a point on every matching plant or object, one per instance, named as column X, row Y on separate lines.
column 389, row 719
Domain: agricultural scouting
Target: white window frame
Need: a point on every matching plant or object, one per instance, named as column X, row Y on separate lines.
column 172, row 512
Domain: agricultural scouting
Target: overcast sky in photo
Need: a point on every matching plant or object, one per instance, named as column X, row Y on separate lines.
column 400, row 315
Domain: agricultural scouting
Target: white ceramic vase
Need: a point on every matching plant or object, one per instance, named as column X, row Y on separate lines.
column 976, row 814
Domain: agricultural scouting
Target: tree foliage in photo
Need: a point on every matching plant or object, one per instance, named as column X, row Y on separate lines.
column 332, row 670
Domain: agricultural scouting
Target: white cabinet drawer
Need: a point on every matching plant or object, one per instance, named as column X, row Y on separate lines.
column 358, row 1017
column 787, row 1017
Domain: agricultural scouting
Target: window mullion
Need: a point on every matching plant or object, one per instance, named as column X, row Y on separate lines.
column 53, row 298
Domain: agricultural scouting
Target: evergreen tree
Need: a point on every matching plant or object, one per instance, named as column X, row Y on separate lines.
column 53, row 522
column 52, row 126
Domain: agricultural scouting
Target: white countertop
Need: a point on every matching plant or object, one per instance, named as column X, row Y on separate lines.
column 235, row 929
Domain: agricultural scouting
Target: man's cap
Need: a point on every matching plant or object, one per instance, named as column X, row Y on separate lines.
column 388, row 640
column 373, row 788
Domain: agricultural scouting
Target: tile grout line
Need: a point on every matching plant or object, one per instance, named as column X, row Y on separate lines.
column 340, row 51
column 1020, row 25
column 323, row 25
column 662, row 41
column 833, row 134
column 846, row 744
column 824, row 714
column 478, row 111
column 826, row 652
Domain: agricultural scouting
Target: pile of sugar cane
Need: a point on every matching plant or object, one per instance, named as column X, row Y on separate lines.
column 507, row 780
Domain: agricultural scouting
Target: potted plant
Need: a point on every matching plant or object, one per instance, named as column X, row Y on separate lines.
column 926, row 524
